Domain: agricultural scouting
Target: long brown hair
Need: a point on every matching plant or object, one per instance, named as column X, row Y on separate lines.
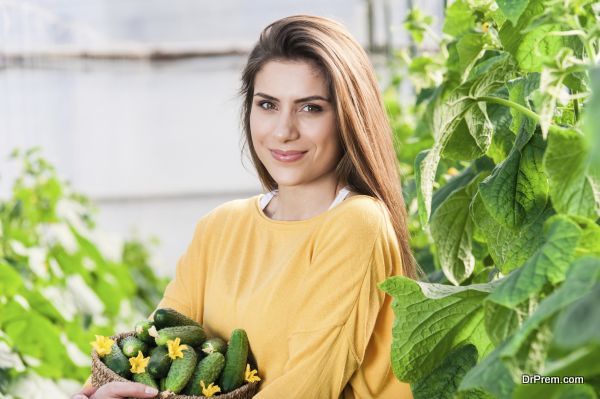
column 369, row 164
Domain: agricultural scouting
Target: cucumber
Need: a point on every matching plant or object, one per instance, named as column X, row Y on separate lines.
column 162, row 384
column 181, row 371
column 215, row 344
column 117, row 361
column 168, row 317
column 189, row 335
column 132, row 345
column 141, row 331
column 235, row 361
column 207, row 370
column 159, row 363
column 145, row 378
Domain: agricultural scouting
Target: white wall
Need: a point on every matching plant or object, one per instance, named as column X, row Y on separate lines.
column 155, row 145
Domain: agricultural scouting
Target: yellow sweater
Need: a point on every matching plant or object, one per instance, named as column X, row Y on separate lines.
column 305, row 292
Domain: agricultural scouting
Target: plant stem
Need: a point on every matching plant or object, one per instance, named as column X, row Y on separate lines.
column 512, row 104
column 518, row 107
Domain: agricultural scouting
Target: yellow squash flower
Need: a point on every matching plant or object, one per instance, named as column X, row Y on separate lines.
column 102, row 345
column 175, row 349
column 251, row 374
column 209, row 390
column 139, row 363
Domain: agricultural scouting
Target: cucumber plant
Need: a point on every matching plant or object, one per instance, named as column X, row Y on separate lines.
column 506, row 194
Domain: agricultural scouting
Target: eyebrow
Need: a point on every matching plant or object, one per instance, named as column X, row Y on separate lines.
column 300, row 100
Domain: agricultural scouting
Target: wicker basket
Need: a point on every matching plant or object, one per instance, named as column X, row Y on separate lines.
column 102, row 375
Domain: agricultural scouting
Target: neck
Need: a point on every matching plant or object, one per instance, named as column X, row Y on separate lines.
column 304, row 201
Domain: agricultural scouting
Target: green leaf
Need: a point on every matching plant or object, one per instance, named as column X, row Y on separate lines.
column 500, row 322
column 592, row 125
column 519, row 91
column 572, row 189
column 443, row 382
column 489, row 375
column 431, row 321
column 453, row 184
column 509, row 248
column 582, row 276
column 537, row 46
column 503, row 138
column 513, row 9
column 511, row 34
column 516, row 192
column 548, row 265
column 10, row 280
column 451, row 227
column 469, row 48
column 459, row 19
column 446, row 114
column 589, row 242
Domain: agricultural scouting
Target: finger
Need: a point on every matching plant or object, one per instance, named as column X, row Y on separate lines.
column 134, row 389
column 79, row 396
column 87, row 391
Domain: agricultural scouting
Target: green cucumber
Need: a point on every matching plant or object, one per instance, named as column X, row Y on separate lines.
column 117, row 361
column 215, row 344
column 235, row 361
column 181, row 370
column 132, row 345
column 168, row 317
column 162, row 384
column 145, row 378
column 159, row 363
column 189, row 335
column 207, row 370
column 141, row 331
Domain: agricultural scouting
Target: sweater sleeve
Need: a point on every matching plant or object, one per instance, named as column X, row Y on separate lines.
column 337, row 309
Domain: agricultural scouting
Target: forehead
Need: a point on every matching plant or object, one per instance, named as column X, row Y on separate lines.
column 293, row 79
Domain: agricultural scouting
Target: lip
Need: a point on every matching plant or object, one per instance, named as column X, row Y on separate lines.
column 287, row 156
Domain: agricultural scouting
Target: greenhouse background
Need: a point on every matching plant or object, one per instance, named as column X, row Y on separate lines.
column 153, row 142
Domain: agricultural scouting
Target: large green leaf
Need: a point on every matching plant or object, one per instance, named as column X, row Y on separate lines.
column 431, row 321
column 509, row 248
column 516, row 192
column 547, row 266
column 443, row 382
column 451, row 227
column 572, row 189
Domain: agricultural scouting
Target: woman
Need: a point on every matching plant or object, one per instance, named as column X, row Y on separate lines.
column 298, row 268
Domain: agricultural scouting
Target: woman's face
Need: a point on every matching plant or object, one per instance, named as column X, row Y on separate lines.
column 292, row 112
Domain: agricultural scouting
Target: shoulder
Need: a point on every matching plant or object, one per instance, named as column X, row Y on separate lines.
column 233, row 210
column 360, row 214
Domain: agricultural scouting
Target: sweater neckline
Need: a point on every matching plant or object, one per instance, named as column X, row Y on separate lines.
column 261, row 215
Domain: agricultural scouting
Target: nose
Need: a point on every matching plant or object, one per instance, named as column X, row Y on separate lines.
column 286, row 127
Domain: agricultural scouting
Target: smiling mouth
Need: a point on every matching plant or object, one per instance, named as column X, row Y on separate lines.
column 288, row 156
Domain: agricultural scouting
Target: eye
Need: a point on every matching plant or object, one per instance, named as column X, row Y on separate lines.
column 262, row 103
column 315, row 108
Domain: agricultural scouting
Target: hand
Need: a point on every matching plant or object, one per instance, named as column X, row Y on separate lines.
column 85, row 393
column 119, row 390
